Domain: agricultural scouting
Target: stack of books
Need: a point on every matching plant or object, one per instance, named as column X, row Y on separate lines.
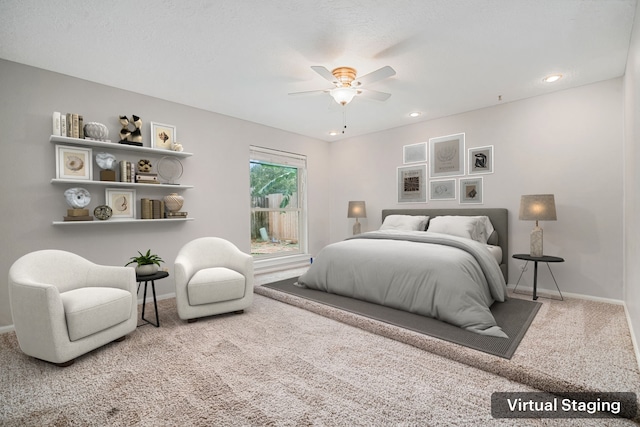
column 177, row 214
column 152, row 209
column 69, row 124
column 127, row 171
column 147, row 178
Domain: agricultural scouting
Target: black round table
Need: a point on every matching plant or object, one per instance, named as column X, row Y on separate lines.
column 146, row 279
column 544, row 258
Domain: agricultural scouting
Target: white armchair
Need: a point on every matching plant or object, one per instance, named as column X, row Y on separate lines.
column 64, row 306
column 212, row 277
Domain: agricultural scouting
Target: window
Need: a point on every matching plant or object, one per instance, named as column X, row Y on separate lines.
column 278, row 208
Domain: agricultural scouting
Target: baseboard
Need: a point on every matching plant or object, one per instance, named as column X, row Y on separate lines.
column 554, row 292
column 636, row 349
column 5, row 329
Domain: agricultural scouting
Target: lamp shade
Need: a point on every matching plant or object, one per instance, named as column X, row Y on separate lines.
column 538, row 207
column 343, row 95
column 357, row 210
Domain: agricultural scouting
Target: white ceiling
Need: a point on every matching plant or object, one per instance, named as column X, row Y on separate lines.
column 242, row 57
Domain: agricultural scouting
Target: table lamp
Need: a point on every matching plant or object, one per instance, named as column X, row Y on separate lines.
column 537, row 207
column 357, row 210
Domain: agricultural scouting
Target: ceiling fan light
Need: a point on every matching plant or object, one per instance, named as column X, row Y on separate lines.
column 343, row 95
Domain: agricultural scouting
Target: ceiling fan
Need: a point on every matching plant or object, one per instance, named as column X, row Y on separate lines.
column 348, row 85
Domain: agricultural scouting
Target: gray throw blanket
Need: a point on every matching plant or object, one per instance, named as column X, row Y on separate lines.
column 436, row 275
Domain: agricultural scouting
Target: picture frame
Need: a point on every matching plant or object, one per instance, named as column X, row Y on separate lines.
column 414, row 153
column 412, row 184
column 446, row 154
column 480, row 160
column 162, row 135
column 442, row 189
column 74, row 163
column 122, row 202
column 471, row 191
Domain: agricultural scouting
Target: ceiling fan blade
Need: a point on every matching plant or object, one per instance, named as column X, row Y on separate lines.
column 373, row 94
column 310, row 92
column 374, row 76
column 324, row 73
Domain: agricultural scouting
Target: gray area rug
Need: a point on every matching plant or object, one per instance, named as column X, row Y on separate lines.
column 514, row 317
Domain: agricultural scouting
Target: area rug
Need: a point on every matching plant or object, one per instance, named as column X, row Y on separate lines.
column 514, row 317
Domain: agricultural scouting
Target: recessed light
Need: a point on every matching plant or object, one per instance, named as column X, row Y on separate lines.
column 415, row 114
column 552, row 78
column 333, row 133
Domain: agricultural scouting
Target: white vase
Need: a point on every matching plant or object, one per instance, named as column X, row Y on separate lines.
column 146, row 269
column 173, row 202
column 96, row 130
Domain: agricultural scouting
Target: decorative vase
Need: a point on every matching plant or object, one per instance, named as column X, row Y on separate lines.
column 146, row 269
column 96, row 130
column 173, row 202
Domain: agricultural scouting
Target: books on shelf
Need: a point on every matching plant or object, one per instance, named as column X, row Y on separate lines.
column 68, row 124
column 147, row 178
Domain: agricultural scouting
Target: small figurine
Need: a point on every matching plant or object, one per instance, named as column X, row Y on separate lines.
column 128, row 136
column 125, row 133
column 144, row 165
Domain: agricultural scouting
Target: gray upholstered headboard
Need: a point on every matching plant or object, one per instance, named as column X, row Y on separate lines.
column 498, row 216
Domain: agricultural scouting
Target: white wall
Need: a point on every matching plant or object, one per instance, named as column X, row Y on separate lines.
column 568, row 143
column 219, row 170
column 632, row 182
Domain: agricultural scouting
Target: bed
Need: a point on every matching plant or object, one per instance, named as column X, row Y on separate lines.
column 444, row 273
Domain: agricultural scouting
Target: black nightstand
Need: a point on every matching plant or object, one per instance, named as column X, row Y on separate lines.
column 146, row 279
column 546, row 259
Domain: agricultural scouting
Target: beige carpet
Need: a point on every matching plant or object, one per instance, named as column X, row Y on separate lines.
column 281, row 365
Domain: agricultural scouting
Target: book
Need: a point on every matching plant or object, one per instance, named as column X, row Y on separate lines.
column 81, row 126
column 63, row 125
column 69, row 125
column 75, row 130
column 56, row 124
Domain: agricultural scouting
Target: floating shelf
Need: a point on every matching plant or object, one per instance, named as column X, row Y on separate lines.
column 79, row 182
column 116, row 146
column 122, row 221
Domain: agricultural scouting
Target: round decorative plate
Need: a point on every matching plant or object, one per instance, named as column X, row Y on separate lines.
column 170, row 169
column 102, row 212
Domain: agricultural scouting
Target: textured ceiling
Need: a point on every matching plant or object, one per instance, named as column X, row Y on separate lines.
column 242, row 58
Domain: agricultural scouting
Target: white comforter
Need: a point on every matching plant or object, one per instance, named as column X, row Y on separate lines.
column 446, row 277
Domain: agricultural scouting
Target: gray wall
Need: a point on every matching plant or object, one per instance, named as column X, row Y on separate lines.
column 632, row 184
column 218, row 170
column 568, row 143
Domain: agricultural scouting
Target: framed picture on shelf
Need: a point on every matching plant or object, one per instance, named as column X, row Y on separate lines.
column 471, row 191
column 412, row 184
column 122, row 202
column 446, row 154
column 444, row 189
column 162, row 136
column 74, row 163
column 480, row 160
column 414, row 153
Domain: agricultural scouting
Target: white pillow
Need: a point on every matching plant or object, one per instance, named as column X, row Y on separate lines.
column 405, row 222
column 477, row 228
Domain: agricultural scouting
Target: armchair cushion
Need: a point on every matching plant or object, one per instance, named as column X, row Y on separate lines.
column 215, row 284
column 91, row 310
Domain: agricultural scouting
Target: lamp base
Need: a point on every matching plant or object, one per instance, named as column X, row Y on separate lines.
column 536, row 242
column 357, row 229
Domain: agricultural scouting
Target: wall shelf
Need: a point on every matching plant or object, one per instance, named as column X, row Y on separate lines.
column 121, row 221
column 109, row 146
column 54, row 139
column 80, row 183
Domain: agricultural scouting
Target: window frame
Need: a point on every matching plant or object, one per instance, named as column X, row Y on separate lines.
column 274, row 157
